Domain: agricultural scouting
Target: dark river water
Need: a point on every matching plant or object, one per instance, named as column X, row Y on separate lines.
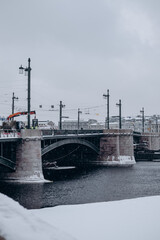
column 87, row 186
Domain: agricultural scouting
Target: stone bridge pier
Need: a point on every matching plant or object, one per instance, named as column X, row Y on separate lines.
column 116, row 148
column 152, row 140
column 28, row 158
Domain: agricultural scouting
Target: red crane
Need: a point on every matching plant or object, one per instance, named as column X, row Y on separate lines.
column 19, row 114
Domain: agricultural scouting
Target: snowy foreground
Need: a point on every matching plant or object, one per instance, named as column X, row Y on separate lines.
column 135, row 219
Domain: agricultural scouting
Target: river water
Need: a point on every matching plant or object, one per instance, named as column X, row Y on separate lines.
column 87, row 186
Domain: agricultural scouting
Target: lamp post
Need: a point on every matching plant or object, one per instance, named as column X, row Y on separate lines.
column 28, row 73
column 79, row 112
column 120, row 117
column 106, row 96
column 142, row 111
column 60, row 115
column 13, row 98
column 156, row 124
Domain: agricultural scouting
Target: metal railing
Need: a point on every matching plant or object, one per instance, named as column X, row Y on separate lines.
column 9, row 133
column 69, row 132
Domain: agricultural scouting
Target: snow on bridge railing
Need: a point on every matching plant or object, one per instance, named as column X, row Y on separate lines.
column 9, row 133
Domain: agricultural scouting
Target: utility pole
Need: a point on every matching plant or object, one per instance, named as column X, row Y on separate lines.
column 142, row 111
column 60, row 115
column 29, row 90
column 120, row 117
column 106, row 96
column 156, row 124
column 79, row 112
column 28, row 72
column 13, row 98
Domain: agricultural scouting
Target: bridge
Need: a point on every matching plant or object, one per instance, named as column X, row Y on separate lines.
column 22, row 153
column 50, row 140
column 54, row 139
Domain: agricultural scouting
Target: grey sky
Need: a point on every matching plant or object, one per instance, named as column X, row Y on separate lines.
column 78, row 50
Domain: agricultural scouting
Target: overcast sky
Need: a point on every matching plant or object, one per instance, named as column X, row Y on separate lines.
column 78, row 50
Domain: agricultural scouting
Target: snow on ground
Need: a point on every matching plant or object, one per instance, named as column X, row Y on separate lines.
column 18, row 223
column 135, row 219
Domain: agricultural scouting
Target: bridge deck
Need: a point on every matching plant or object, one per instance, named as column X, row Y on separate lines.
column 13, row 135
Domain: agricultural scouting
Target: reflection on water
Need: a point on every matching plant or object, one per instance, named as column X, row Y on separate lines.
column 96, row 185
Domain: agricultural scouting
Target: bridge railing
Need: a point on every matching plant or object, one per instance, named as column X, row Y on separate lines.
column 9, row 133
column 69, row 132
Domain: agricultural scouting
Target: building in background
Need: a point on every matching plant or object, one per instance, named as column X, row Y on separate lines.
column 151, row 124
column 83, row 124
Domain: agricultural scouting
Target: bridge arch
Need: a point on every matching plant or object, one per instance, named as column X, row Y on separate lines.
column 69, row 141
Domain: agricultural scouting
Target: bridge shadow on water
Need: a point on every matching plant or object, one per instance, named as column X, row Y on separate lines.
column 67, row 173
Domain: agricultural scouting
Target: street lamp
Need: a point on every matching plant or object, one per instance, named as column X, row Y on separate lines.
column 79, row 112
column 156, row 124
column 28, row 73
column 106, row 96
column 60, row 115
column 120, row 117
column 142, row 111
column 13, row 98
